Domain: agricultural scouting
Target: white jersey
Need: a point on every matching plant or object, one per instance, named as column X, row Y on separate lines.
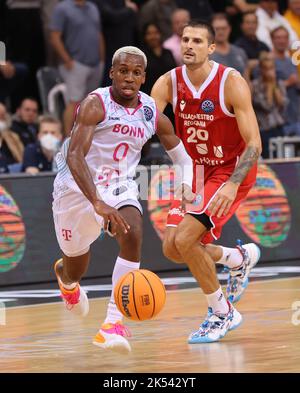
column 117, row 142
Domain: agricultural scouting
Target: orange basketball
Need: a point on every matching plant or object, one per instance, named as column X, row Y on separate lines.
column 140, row 295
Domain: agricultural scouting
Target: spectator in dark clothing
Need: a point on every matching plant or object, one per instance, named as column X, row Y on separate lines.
column 199, row 9
column 119, row 24
column 25, row 39
column 269, row 101
column 158, row 12
column 289, row 74
column 39, row 156
column 77, row 38
column 3, row 164
column 12, row 80
column 226, row 53
column 160, row 60
column 249, row 42
column 25, row 122
column 234, row 9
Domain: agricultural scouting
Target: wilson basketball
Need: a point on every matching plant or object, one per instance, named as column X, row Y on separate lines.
column 140, row 295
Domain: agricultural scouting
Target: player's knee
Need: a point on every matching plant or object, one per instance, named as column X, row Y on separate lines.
column 135, row 238
column 182, row 243
column 169, row 251
column 132, row 239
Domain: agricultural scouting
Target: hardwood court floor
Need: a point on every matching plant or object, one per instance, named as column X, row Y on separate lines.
column 45, row 338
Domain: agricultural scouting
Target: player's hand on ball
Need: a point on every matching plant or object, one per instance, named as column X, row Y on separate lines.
column 111, row 218
column 223, row 200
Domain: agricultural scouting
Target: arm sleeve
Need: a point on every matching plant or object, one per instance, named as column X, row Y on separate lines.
column 181, row 159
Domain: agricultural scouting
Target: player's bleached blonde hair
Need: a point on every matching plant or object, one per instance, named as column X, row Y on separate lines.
column 130, row 50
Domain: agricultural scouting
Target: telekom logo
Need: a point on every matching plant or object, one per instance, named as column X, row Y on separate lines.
column 67, row 234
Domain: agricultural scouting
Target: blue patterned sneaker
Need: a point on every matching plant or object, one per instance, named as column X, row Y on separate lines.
column 238, row 278
column 215, row 326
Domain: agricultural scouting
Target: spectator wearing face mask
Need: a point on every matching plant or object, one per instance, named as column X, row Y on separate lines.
column 39, row 156
column 11, row 147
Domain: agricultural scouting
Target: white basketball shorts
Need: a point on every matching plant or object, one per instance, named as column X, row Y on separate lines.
column 77, row 225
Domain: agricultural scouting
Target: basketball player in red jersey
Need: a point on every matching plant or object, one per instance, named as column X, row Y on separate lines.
column 216, row 122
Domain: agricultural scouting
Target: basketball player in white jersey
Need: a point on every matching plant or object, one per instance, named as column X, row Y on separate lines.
column 94, row 187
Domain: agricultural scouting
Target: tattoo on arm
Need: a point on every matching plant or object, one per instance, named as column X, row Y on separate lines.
column 248, row 159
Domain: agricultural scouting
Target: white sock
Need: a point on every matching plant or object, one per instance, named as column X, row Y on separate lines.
column 231, row 257
column 122, row 266
column 218, row 302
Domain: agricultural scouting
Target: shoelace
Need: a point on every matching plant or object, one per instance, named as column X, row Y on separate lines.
column 121, row 330
column 212, row 322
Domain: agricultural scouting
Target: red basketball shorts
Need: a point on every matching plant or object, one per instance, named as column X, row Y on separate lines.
column 211, row 186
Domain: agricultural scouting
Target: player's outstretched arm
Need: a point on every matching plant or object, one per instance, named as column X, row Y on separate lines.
column 162, row 91
column 176, row 151
column 89, row 115
column 238, row 98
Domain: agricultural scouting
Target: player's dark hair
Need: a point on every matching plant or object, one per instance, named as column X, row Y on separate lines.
column 204, row 25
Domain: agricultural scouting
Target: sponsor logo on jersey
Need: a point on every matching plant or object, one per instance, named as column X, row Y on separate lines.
column 218, row 151
column 209, row 162
column 125, row 129
column 182, row 105
column 202, row 148
column 196, row 116
column 67, row 234
column 207, row 106
column 176, row 212
column 197, row 200
column 113, row 118
column 148, row 112
column 119, row 190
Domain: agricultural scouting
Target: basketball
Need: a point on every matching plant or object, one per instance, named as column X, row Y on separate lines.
column 140, row 295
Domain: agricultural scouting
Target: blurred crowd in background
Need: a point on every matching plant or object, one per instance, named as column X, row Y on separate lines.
column 58, row 51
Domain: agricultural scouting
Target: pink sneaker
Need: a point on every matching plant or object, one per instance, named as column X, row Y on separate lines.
column 112, row 336
column 75, row 299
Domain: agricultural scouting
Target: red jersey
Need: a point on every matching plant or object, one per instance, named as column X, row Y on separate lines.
column 207, row 129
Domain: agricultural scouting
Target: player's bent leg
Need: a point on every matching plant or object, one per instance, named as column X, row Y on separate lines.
column 221, row 316
column 69, row 271
column 113, row 334
column 169, row 248
column 239, row 261
column 238, row 278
